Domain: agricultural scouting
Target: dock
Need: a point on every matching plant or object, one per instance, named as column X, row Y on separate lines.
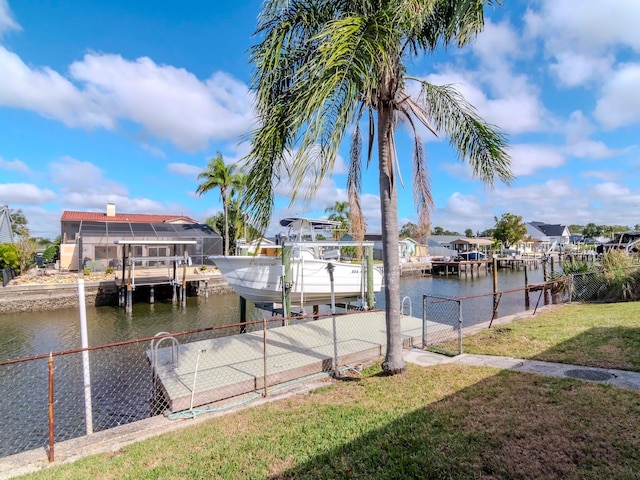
column 455, row 267
column 207, row 371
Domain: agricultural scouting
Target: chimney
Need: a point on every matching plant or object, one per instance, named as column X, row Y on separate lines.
column 111, row 209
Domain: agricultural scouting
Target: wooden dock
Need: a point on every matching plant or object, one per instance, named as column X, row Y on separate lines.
column 519, row 263
column 228, row 366
column 454, row 267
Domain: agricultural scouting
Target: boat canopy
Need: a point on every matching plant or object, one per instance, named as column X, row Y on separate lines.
column 299, row 223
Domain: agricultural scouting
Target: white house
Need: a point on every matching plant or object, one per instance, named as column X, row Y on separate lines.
column 548, row 236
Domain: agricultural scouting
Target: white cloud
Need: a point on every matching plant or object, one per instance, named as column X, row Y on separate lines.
column 582, row 40
column 619, row 104
column 606, row 175
column 515, row 106
column 47, row 93
column 468, row 212
column 14, row 165
column 89, row 201
column 574, row 69
column 85, row 178
column 591, row 26
column 7, row 23
column 497, row 42
column 370, row 205
column 183, row 169
column 24, row 194
column 170, row 103
column 153, row 150
column 527, row 158
column 607, row 190
column 542, row 193
column 578, row 129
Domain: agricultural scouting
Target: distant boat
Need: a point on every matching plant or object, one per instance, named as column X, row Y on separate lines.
column 474, row 255
column 628, row 242
column 261, row 279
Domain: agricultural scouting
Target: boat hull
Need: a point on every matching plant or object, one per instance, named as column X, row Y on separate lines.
column 259, row 279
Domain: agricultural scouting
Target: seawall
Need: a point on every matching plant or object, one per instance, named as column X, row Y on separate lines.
column 34, row 297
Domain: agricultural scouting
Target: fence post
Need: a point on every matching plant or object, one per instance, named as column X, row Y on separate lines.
column 51, row 416
column 459, row 327
column 264, row 348
column 526, row 289
column 495, row 289
column 424, row 321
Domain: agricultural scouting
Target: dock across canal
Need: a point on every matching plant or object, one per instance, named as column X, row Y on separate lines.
column 203, row 372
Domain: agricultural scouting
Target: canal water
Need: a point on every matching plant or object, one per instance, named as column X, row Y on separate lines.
column 27, row 334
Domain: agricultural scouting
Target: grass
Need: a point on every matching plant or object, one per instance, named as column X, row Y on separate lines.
column 446, row 421
column 596, row 335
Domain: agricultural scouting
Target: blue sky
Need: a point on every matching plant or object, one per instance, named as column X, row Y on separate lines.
column 126, row 102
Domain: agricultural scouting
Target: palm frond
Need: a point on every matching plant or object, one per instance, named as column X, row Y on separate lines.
column 421, row 186
column 481, row 144
column 354, row 186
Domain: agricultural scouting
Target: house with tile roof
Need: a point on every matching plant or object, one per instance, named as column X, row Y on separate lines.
column 94, row 240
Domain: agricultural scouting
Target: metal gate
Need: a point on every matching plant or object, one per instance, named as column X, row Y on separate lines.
column 442, row 324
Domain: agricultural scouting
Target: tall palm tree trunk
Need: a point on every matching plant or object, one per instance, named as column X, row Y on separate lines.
column 226, row 227
column 394, row 360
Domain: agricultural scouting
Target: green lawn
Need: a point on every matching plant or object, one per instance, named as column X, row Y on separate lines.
column 446, row 421
column 599, row 335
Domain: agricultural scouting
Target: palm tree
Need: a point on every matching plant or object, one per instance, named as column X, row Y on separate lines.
column 339, row 213
column 219, row 175
column 323, row 65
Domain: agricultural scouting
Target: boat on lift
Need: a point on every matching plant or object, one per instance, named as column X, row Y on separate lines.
column 263, row 279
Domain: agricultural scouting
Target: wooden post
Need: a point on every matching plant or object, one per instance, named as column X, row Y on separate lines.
column 286, row 283
column 371, row 299
column 174, row 280
column 526, row 288
column 545, row 278
column 243, row 314
column 129, row 299
column 183, row 298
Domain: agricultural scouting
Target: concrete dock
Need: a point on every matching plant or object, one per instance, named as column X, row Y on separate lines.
column 203, row 372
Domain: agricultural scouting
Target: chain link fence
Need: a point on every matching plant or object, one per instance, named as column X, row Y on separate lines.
column 612, row 285
column 442, row 324
column 55, row 397
column 443, row 317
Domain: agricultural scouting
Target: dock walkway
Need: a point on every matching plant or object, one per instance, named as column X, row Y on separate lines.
column 228, row 366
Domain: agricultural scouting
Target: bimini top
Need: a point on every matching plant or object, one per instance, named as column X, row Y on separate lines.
column 300, row 223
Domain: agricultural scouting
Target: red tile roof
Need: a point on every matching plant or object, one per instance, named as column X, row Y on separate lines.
column 71, row 216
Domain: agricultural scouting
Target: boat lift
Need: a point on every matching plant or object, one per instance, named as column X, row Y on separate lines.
column 128, row 282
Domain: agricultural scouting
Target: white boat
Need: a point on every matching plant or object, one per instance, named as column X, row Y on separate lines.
column 261, row 279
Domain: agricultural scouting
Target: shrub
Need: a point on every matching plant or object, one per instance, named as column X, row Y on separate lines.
column 109, row 270
column 9, row 256
column 50, row 255
column 86, row 271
